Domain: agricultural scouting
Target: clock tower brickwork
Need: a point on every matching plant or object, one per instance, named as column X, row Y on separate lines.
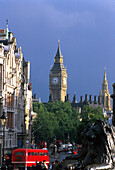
column 58, row 78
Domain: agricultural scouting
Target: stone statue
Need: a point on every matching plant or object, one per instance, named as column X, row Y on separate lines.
column 98, row 141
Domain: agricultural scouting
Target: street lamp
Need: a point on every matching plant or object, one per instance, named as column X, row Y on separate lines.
column 3, row 119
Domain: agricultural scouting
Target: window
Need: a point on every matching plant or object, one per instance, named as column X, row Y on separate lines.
column 32, row 153
column 45, row 154
column 1, row 77
column 10, row 100
column 29, row 153
column 35, row 153
column 10, row 120
column 41, row 154
column 19, row 153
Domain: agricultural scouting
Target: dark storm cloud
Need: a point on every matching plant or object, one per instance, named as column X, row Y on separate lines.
column 86, row 29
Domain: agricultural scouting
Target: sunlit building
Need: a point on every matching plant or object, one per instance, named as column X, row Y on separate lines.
column 58, row 78
column 15, row 92
column 105, row 98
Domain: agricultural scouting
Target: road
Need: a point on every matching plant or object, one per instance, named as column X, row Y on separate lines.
column 60, row 156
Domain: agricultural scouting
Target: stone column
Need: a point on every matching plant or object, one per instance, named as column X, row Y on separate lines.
column 113, row 96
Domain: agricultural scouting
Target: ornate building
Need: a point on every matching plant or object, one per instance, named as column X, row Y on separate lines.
column 15, row 92
column 58, row 78
column 105, row 95
column 103, row 101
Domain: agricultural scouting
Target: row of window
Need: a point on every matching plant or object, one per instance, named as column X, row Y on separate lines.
column 19, row 153
column 37, row 154
column 32, row 153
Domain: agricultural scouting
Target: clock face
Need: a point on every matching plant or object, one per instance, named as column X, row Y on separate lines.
column 64, row 80
column 55, row 80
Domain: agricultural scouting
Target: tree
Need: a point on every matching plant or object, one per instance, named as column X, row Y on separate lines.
column 88, row 115
column 60, row 119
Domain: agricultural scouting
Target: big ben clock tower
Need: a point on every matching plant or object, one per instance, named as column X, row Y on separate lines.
column 58, row 78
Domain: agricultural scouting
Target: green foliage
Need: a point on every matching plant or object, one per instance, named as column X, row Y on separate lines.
column 91, row 114
column 60, row 119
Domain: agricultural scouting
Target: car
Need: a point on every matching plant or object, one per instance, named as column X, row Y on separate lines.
column 69, row 152
column 74, row 152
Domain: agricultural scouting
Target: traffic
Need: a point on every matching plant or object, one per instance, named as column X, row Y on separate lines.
column 30, row 158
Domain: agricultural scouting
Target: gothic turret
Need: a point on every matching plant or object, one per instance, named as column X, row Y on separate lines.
column 104, row 95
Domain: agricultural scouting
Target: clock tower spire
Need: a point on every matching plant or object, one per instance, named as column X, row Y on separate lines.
column 58, row 78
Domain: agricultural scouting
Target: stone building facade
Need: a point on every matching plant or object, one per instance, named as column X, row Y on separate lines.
column 15, row 92
column 105, row 97
column 90, row 100
column 103, row 100
column 58, row 78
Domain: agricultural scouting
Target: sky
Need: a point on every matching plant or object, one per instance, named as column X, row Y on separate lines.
column 86, row 30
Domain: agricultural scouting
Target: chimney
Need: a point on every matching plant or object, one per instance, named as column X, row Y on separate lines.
column 74, row 99
column 81, row 99
column 90, row 98
column 99, row 99
column 86, row 97
column 95, row 99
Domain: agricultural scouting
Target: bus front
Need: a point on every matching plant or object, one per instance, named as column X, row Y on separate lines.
column 19, row 158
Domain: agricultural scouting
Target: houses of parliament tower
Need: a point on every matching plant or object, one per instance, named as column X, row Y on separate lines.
column 58, row 78
column 105, row 95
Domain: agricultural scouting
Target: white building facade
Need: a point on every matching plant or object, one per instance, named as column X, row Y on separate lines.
column 15, row 93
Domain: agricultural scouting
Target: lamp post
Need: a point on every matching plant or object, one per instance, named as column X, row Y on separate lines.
column 3, row 119
column 22, row 134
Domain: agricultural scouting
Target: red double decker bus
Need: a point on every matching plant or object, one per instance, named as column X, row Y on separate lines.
column 29, row 157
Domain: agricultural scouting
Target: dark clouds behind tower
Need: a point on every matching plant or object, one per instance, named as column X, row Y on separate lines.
column 86, row 30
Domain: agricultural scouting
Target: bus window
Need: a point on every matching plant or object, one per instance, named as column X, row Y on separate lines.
column 35, row 153
column 29, row 153
column 19, row 153
column 32, row 153
column 40, row 153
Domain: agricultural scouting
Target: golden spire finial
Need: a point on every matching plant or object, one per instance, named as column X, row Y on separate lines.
column 105, row 77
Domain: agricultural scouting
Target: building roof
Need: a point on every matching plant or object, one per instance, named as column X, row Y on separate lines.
column 58, row 54
column 58, row 62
